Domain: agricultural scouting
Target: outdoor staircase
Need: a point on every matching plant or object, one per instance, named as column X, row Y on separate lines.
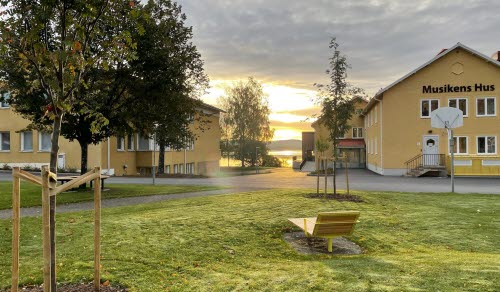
column 308, row 166
column 426, row 165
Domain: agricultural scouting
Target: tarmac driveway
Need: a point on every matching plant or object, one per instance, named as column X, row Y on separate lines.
column 359, row 179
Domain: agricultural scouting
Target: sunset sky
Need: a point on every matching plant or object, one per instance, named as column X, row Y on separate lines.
column 284, row 44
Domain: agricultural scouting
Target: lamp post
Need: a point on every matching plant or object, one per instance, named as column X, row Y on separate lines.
column 257, row 159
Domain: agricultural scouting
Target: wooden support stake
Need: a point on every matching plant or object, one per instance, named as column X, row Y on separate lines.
column 16, row 223
column 46, row 228
column 97, row 230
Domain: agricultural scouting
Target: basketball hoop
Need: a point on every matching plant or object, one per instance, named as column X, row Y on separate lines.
column 448, row 118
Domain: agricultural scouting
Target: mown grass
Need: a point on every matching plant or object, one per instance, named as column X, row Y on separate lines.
column 31, row 194
column 411, row 242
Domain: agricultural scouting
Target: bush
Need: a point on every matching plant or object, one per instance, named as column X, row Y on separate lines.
column 271, row 161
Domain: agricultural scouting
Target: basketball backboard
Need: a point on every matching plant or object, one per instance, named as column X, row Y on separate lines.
column 447, row 118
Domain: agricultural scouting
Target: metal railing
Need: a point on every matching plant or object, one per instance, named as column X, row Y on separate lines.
column 422, row 161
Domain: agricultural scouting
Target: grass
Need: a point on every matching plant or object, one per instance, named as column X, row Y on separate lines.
column 31, row 194
column 411, row 242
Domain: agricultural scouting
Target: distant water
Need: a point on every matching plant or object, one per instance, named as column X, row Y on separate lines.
column 284, row 155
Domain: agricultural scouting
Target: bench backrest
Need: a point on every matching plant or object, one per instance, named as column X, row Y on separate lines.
column 335, row 223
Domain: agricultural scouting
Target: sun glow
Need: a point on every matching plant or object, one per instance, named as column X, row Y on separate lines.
column 291, row 108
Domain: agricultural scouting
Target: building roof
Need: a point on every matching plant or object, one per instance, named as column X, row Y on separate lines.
column 351, row 143
column 441, row 54
column 211, row 107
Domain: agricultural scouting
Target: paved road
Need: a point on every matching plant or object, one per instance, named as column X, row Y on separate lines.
column 360, row 179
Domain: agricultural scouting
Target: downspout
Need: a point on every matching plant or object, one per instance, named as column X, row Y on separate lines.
column 108, row 158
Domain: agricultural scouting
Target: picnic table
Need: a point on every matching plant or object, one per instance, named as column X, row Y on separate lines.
column 65, row 179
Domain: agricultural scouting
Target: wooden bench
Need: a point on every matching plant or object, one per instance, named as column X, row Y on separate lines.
column 328, row 225
column 65, row 179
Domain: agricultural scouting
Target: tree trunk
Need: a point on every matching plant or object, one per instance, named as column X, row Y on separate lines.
column 161, row 159
column 326, row 177
column 317, row 177
column 53, row 168
column 84, row 147
column 334, row 176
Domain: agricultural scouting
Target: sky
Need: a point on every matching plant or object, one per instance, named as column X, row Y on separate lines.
column 284, row 44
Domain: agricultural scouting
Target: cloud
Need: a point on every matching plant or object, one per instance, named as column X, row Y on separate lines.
column 286, row 41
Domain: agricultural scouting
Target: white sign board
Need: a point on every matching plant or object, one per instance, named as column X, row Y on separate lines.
column 447, row 118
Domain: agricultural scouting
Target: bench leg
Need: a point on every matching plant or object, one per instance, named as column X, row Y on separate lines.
column 330, row 244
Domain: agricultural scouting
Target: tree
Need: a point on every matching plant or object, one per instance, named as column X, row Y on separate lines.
column 247, row 117
column 47, row 49
column 169, row 75
column 321, row 146
column 336, row 100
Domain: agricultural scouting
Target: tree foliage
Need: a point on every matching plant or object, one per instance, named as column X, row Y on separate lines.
column 336, row 100
column 246, row 121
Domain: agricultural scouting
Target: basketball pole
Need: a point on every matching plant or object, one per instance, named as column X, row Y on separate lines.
column 452, row 150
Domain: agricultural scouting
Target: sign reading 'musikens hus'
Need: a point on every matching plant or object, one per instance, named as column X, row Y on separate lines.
column 478, row 87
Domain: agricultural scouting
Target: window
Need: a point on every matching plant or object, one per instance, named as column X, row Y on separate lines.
column 341, row 136
column 485, row 107
column 167, row 169
column 190, row 145
column 44, row 142
column 176, row 168
column 4, row 97
column 26, row 141
column 427, row 106
column 130, row 143
column 190, row 168
column 487, row 145
column 357, row 133
column 460, row 145
column 143, row 143
column 120, row 143
column 375, row 146
column 460, row 103
column 4, row 141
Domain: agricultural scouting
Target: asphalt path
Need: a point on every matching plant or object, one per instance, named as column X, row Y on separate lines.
column 359, row 179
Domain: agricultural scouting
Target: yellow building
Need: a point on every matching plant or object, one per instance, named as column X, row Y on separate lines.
column 397, row 128
column 128, row 155
column 352, row 143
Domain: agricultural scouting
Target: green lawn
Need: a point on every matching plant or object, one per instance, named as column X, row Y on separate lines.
column 411, row 242
column 31, row 194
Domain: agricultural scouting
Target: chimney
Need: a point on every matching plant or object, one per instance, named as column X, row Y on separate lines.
column 496, row 56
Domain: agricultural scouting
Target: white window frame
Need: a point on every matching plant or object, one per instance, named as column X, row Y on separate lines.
column 375, row 145
column 167, row 169
column 40, row 142
column 1, row 142
column 457, row 99
column 5, row 105
column 22, row 141
column 120, row 141
column 430, row 107
column 456, row 141
column 486, row 145
column 176, row 169
column 486, row 106
column 375, row 113
column 150, row 145
column 131, row 137
column 357, row 133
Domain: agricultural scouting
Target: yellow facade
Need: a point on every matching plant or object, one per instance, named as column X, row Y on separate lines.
column 397, row 119
column 470, row 76
column 125, row 159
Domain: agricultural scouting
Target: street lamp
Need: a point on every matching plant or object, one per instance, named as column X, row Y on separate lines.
column 257, row 159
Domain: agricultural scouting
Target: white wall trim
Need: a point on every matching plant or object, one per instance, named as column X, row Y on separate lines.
column 490, row 162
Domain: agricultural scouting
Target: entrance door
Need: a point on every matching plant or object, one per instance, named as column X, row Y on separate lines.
column 430, row 149
column 61, row 160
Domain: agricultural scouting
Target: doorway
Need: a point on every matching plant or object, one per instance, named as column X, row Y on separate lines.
column 430, row 150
